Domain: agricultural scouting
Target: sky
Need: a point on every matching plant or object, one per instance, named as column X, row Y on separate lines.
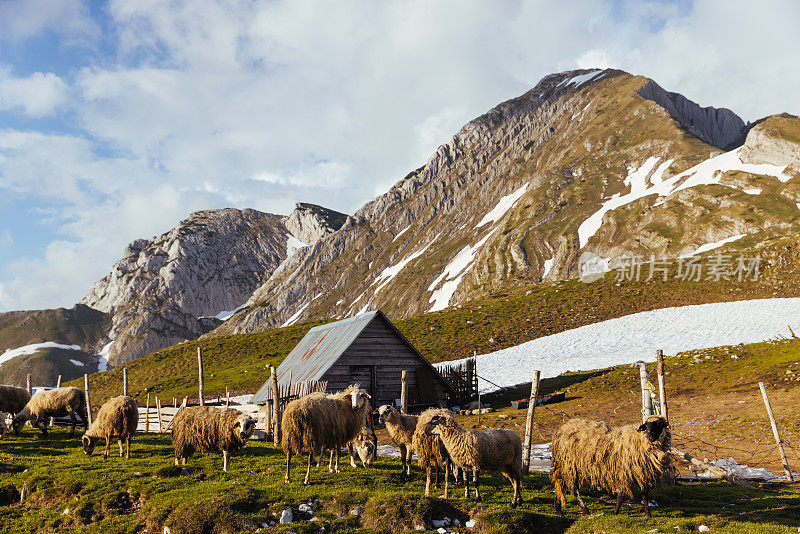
column 119, row 118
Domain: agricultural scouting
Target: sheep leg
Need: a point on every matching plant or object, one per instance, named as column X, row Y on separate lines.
column 321, row 454
column 225, row 455
column 288, row 466
column 466, row 484
column 38, row 424
column 447, row 480
column 437, row 476
column 330, row 463
column 645, row 504
column 475, row 481
column 108, row 446
column 582, row 506
column 119, row 441
column 409, row 453
column 403, row 461
column 427, row 480
column 307, row 480
column 619, row 503
column 128, row 443
column 74, row 423
column 336, row 465
column 352, row 455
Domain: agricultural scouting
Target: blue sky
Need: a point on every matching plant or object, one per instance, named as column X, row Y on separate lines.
column 117, row 119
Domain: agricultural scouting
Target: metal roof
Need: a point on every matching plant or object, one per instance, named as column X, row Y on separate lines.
column 321, row 348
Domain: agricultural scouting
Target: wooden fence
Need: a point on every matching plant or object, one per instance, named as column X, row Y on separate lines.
column 463, row 378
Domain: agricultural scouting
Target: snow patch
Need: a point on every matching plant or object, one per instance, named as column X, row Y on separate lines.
column 30, row 349
column 627, row 339
column 389, row 273
column 453, row 273
column 293, row 245
column 102, row 364
column 548, row 265
column 76, row 362
column 293, row 319
column 401, row 232
column 580, row 79
column 754, row 191
column 502, row 207
column 712, row 246
column 225, row 315
column 741, row 471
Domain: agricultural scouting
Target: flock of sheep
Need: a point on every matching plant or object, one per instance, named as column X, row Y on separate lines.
column 621, row 462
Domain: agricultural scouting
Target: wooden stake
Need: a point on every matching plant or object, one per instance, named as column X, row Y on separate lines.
column 88, row 398
column 227, row 398
column 158, row 411
column 404, row 392
column 58, row 386
column 647, row 402
column 174, row 402
column 775, row 432
column 125, row 381
column 276, row 424
column 200, row 374
column 662, row 394
column 147, row 415
column 526, row 448
column 480, row 405
column 28, row 384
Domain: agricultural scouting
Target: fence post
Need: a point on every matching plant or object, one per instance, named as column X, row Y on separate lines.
column 276, row 424
column 404, row 392
column 88, row 398
column 647, row 402
column 158, row 411
column 475, row 366
column 526, row 449
column 125, row 381
column 227, row 397
column 147, row 415
column 662, row 393
column 775, row 432
column 58, row 386
column 28, row 384
column 200, row 374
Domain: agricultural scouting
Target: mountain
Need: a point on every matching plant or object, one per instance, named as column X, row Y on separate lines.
column 592, row 162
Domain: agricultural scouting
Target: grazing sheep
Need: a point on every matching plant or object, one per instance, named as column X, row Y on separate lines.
column 207, row 429
column 493, row 450
column 623, row 461
column 52, row 403
column 401, row 429
column 13, row 399
column 319, row 421
column 431, row 450
column 365, row 446
column 117, row 417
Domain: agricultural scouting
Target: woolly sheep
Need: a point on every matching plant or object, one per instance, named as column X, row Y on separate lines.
column 623, row 461
column 117, row 417
column 401, row 429
column 13, row 399
column 3, row 424
column 52, row 403
column 364, row 446
column 207, row 429
column 319, row 421
column 431, row 450
column 492, row 450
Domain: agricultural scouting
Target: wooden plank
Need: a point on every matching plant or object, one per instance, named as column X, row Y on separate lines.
column 662, row 394
column 775, row 433
column 647, row 402
column 526, row 448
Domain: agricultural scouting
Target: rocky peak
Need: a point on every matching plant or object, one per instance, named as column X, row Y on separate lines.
column 309, row 222
column 719, row 127
column 774, row 140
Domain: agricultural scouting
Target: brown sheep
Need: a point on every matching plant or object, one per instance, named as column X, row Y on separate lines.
column 207, row 429
column 52, row 403
column 118, row 417
column 401, row 429
column 319, row 421
column 430, row 449
column 13, row 399
column 493, row 450
column 623, row 461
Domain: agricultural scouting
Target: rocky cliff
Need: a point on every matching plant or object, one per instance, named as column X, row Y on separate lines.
column 592, row 160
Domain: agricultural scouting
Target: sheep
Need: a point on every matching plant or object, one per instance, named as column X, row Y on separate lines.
column 493, row 450
column 13, row 399
column 430, row 449
column 365, row 446
column 618, row 461
column 118, row 417
column 3, row 424
column 207, row 429
column 318, row 421
column 52, row 403
column 401, row 429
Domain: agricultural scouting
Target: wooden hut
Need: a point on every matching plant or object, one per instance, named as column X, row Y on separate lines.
column 366, row 349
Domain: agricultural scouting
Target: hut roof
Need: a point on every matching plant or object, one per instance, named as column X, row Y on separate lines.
column 323, row 345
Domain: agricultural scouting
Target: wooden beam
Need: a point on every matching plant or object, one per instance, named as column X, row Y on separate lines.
column 647, row 402
column 775, row 433
column 88, row 398
column 526, row 449
column 125, row 381
column 662, row 394
column 276, row 430
column 200, row 377
column 404, row 392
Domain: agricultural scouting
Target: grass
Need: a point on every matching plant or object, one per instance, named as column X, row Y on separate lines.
column 79, row 325
column 146, row 493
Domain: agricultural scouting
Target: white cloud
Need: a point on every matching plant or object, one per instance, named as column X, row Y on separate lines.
column 6, row 239
column 207, row 104
column 36, row 95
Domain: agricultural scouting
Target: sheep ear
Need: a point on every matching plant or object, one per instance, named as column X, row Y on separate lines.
column 642, row 428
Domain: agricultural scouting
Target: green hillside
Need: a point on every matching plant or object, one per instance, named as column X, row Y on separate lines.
column 79, row 325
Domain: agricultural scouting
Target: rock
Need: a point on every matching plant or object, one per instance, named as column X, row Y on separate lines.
column 305, row 508
column 309, row 223
column 470, row 523
column 442, row 530
column 286, row 517
column 166, row 530
column 703, row 528
column 356, row 511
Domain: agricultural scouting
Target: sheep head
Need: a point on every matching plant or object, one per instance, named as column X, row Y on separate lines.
column 244, row 426
column 655, row 428
column 19, row 420
column 366, row 448
column 358, row 397
column 439, row 424
column 88, row 444
column 387, row 413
